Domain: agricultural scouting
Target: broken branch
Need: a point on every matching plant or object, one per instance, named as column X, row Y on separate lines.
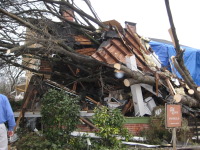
column 137, row 76
column 187, row 100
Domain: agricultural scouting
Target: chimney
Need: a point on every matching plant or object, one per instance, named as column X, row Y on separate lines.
column 131, row 25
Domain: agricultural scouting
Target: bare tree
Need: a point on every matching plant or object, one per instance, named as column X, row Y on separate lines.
column 11, row 76
column 25, row 23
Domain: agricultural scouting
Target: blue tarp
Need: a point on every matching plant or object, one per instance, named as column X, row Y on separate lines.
column 191, row 58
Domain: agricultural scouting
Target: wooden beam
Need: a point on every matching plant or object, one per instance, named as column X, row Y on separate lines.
column 171, row 88
column 111, row 55
column 137, row 39
column 82, row 40
column 68, row 90
column 28, row 96
column 88, row 123
column 127, row 107
column 118, row 47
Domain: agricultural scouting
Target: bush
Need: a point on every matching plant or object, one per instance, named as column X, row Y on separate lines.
column 78, row 143
column 60, row 116
column 110, row 124
column 32, row 141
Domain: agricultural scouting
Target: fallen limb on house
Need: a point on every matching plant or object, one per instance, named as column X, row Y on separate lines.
column 137, row 77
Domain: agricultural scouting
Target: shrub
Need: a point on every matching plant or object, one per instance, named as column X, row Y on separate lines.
column 60, row 116
column 32, row 141
column 110, row 124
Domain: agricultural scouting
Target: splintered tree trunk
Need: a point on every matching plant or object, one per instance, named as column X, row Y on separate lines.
column 179, row 65
column 186, row 78
column 137, row 77
column 187, row 100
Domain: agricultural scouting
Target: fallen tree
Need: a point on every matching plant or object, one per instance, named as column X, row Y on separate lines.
column 81, row 57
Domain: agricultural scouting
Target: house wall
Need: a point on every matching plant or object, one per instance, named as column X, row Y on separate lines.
column 134, row 124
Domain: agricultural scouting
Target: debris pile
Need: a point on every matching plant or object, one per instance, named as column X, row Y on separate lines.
column 123, row 72
column 110, row 65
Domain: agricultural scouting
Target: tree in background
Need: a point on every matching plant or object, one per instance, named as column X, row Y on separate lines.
column 10, row 76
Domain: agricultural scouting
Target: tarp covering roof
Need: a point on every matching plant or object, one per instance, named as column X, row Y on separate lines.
column 191, row 58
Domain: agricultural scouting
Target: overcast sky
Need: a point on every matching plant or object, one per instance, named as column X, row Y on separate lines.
column 151, row 17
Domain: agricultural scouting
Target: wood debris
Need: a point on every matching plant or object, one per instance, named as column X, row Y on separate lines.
column 95, row 63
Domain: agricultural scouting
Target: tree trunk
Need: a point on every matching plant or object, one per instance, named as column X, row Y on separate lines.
column 186, row 100
column 186, row 78
column 137, row 76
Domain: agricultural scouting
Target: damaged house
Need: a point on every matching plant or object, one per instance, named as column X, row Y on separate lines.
column 110, row 65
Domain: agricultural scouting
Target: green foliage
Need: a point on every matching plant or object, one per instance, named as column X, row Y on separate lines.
column 60, row 116
column 110, row 124
column 100, row 147
column 78, row 143
column 31, row 141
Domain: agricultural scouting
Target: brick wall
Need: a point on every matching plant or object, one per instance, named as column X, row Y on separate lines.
column 134, row 128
